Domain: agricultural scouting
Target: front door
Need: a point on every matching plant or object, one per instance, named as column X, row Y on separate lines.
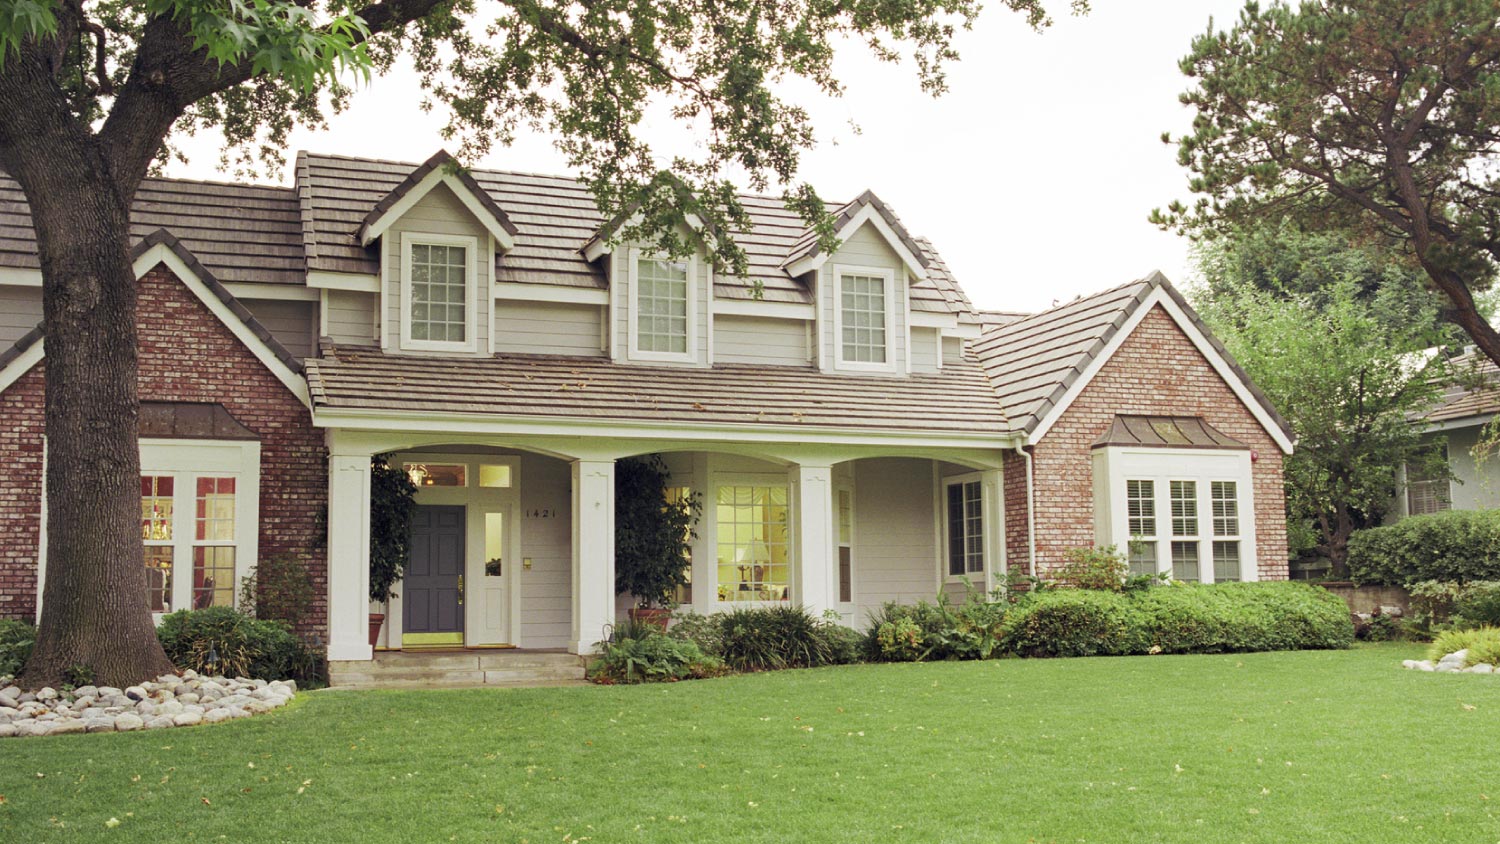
column 432, row 595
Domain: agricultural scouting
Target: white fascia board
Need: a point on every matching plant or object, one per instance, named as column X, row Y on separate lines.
column 928, row 319
column 162, row 255
column 550, row 293
column 965, row 331
column 1159, row 296
column 352, row 282
column 439, row 176
column 21, row 365
column 283, row 292
column 598, row 247
column 482, row 423
column 20, row 277
column 755, row 308
column 1476, row 421
column 867, row 214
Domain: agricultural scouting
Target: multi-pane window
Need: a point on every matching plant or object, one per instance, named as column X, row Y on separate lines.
column 1226, row 561
column 1224, row 496
column 661, row 317
column 751, row 534
column 1185, row 561
column 439, row 291
column 846, row 545
column 1184, row 496
column 1428, row 489
column 965, row 528
column 156, row 532
column 214, row 543
column 863, row 307
column 1140, row 502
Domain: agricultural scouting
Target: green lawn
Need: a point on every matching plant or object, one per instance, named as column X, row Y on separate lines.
column 1317, row 746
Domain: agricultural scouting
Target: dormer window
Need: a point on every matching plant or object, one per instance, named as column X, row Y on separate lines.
column 863, row 317
column 662, row 299
column 437, row 283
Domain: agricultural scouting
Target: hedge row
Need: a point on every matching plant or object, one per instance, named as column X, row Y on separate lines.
column 1455, row 546
column 1217, row 618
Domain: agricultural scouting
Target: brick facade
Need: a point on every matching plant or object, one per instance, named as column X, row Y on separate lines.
column 1156, row 371
column 186, row 355
column 1017, row 546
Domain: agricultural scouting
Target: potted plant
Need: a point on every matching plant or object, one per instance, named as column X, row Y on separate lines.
column 393, row 502
column 653, row 537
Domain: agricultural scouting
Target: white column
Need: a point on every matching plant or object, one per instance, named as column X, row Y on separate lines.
column 593, row 552
column 811, row 488
column 992, row 481
column 348, row 556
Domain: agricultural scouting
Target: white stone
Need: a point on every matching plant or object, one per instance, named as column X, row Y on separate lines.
column 128, row 722
column 1482, row 668
column 46, row 693
column 137, row 693
column 160, row 722
column 11, row 692
column 1426, row 665
column 69, row 725
column 215, row 716
column 188, row 719
column 109, row 691
column 101, row 725
column 8, row 730
column 170, row 708
column 86, row 691
column 190, row 697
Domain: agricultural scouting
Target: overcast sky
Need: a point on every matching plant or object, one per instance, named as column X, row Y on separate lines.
column 1033, row 175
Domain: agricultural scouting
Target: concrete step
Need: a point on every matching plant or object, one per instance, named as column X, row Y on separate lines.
column 411, row 669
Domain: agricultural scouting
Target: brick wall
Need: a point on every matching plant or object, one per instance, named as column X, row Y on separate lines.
column 186, row 355
column 1158, row 371
column 1017, row 546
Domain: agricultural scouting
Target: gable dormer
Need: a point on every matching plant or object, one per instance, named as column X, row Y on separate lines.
column 863, row 289
column 438, row 234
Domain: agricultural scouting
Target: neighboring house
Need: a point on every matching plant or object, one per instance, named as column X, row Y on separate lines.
column 858, row 432
column 1455, row 427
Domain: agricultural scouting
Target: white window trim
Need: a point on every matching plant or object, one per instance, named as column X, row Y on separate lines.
column 1204, row 466
column 889, row 277
column 471, row 281
column 840, row 488
column 632, row 349
column 985, row 528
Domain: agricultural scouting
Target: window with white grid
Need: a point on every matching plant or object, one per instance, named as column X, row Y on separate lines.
column 1140, row 501
column 862, row 310
column 661, row 306
column 965, row 514
column 754, row 562
column 438, row 286
column 1224, row 496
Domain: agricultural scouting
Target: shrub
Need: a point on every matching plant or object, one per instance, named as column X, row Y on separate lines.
column 908, row 627
column 843, row 644
column 1093, row 568
column 1457, row 545
column 1482, row 643
column 643, row 654
column 1183, row 618
column 772, row 638
column 1478, row 604
column 16, row 641
column 899, row 640
column 653, row 531
column 702, row 630
column 222, row 640
column 1432, row 603
column 280, row 589
column 1378, row 628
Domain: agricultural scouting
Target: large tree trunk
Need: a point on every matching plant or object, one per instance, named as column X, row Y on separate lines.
column 95, row 620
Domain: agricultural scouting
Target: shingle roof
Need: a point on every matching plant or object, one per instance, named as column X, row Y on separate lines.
column 243, row 233
column 956, row 400
column 1476, row 393
column 1034, row 360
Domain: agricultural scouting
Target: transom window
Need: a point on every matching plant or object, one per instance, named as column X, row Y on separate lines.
column 661, row 306
column 965, row 518
column 862, row 310
column 751, row 534
column 439, row 293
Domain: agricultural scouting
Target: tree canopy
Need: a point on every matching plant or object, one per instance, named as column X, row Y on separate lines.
column 1375, row 117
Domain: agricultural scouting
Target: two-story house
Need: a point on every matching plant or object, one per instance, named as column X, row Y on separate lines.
column 857, row 431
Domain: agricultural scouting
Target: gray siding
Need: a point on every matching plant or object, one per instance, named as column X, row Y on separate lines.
column 294, row 324
column 760, row 340
column 895, row 554
column 439, row 212
column 926, row 349
column 351, row 317
column 865, row 248
column 557, row 328
column 20, row 311
column 953, row 349
column 546, row 528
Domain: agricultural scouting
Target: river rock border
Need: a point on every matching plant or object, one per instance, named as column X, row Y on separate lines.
column 172, row 700
column 1451, row 664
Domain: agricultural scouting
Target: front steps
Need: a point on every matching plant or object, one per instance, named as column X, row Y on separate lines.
column 458, row 669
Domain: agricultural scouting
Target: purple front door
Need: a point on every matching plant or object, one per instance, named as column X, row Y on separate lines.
column 432, row 595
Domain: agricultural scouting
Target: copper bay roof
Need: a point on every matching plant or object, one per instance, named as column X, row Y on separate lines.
column 956, row 400
column 1165, row 432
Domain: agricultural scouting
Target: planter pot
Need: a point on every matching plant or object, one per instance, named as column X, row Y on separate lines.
column 376, row 619
column 655, row 616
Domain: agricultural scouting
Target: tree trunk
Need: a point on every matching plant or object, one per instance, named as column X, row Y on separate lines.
column 95, row 620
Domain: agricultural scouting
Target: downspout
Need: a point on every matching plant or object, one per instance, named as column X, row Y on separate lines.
column 1030, row 512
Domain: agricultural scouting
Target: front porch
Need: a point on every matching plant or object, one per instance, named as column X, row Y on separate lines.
column 516, row 540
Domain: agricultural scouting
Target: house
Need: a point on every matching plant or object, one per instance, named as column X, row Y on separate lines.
column 858, row 432
column 1456, row 427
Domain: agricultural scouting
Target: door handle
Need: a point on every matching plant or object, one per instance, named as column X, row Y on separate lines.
column 460, row 590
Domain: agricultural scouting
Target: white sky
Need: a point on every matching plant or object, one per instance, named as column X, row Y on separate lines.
column 1033, row 175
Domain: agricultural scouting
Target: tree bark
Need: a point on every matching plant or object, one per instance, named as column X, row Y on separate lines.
column 95, row 622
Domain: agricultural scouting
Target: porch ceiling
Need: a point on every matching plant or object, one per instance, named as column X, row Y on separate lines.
column 957, row 400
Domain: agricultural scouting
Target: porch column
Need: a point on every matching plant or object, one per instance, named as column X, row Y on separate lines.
column 593, row 552
column 348, row 556
column 811, row 488
column 992, row 482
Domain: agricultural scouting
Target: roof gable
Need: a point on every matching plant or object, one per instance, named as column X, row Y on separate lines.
column 441, row 169
column 1040, row 363
column 806, row 255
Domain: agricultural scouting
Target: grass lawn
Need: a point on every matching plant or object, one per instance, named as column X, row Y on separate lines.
column 1316, row 746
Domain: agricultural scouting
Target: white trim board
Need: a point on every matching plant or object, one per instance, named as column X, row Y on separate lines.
column 352, row 282
column 517, row 291
column 1159, row 296
column 771, row 310
column 438, row 176
column 281, row 292
column 20, row 277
